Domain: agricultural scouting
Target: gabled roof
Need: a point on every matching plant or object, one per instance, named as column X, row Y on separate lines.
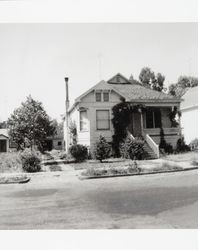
column 190, row 99
column 130, row 90
column 118, row 79
column 4, row 132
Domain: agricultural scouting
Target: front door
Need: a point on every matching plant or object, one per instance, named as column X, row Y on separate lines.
column 137, row 132
column 3, row 146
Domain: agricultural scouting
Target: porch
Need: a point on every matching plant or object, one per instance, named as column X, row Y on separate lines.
column 147, row 123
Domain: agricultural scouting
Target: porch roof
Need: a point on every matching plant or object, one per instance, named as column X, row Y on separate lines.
column 142, row 93
column 4, row 132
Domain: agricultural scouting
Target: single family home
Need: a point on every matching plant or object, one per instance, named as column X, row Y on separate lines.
column 4, row 141
column 92, row 113
column 189, row 117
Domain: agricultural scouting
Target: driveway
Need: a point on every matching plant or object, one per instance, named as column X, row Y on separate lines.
column 60, row 200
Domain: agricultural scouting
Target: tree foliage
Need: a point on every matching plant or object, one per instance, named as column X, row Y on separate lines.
column 121, row 119
column 29, row 125
column 183, row 82
column 149, row 78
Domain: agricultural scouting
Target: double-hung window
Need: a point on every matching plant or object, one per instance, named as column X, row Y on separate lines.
column 106, row 96
column 98, row 96
column 83, row 120
column 102, row 119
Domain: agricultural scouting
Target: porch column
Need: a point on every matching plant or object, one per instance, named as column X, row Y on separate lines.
column 141, row 121
column 7, row 145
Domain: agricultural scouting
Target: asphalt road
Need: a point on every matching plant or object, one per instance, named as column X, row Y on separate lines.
column 62, row 201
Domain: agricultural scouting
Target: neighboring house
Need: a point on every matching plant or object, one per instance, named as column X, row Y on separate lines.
column 92, row 113
column 189, row 117
column 55, row 142
column 4, row 141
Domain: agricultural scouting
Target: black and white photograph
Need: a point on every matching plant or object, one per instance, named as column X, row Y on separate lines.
column 98, row 126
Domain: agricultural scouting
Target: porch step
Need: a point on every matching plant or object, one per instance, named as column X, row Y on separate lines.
column 149, row 154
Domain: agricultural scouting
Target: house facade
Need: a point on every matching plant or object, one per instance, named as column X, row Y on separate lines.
column 92, row 113
column 4, row 141
column 189, row 117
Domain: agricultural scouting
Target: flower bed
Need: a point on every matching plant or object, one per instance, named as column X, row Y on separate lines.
column 14, row 179
column 131, row 169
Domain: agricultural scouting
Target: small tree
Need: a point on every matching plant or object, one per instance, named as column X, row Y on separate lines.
column 30, row 125
column 73, row 132
column 103, row 149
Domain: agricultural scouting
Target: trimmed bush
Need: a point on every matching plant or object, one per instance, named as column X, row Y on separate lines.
column 31, row 161
column 164, row 146
column 103, row 149
column 79, row 152
column 132, row 149
column 182, row 146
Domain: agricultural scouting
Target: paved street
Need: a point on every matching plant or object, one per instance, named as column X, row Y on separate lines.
column 60, row 200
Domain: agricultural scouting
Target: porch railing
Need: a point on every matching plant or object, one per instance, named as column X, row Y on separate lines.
column 130, row 135
column 153, row 145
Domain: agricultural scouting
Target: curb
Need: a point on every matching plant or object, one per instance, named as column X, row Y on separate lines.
column 136, row 174
column 22, row 181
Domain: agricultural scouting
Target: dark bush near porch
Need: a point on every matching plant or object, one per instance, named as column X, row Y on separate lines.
column 132, row 149
column 31, row 161
column 182, row 146
column 79, row 152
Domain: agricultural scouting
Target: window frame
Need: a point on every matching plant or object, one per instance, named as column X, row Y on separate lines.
column 109, row 119
column 98, row 92
column 81, row 122
column 103, row 95
column 153, row 111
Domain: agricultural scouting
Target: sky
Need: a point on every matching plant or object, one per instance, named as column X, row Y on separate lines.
column 35, row 58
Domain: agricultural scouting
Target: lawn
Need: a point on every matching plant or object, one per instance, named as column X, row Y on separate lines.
column 10, row 163
column 184, row 157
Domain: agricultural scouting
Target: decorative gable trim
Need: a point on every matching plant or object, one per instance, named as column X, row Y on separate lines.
column 118, row 79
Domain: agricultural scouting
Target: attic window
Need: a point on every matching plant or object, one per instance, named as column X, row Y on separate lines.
column 118, row 79
column 106, row 96
column 98, row 97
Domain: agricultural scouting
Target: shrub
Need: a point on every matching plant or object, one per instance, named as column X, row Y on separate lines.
column 194, row 144
column 182, row 146
column 103, row 149
column 194, row 163
column 164, row 146
column 31, row 161
column 10, row 162
column 79, row 152
column 132, row 149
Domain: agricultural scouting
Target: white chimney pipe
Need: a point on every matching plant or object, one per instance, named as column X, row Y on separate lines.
column 66, row 116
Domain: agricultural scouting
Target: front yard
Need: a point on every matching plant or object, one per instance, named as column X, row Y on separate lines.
column 51, row 162
column 183, row 157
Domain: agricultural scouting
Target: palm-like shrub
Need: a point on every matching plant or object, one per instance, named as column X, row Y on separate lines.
column 102, row 149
